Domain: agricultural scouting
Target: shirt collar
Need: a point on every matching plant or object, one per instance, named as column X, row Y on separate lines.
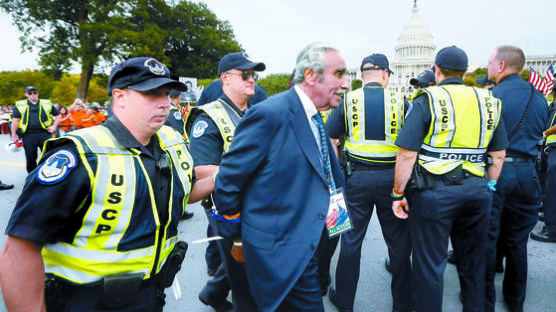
column 451, row 80
column 308, row 105
column 226, row 99
column 124, row 137
column 373, row 84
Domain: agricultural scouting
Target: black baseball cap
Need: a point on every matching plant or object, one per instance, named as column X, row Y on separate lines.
column 452, row 58
column 377, row 61
column 30, row 88
column 484, row 81
column 238, row 60
column 142, row 74
column 175, row 93
column 426, row 78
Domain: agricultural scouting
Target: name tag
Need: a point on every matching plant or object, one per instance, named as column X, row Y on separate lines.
column 337, row 220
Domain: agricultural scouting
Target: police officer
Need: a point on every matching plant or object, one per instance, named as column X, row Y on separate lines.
column 448, row 130
column 548, row 233
column 486, row 83
column 211, row 131
column 425, row 79
column 214, row 91
column 175, row 120
column 371, row 118
column 109, row 245
column 518, row 194
column 32, row 120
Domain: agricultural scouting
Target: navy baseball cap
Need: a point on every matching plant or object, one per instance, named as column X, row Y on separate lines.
column 485, row 81
column 30, row 88
column 175, row 93
column 426, row 78
column 238, row 60
column 377, row 61
column 452, row 58
column 142, row 74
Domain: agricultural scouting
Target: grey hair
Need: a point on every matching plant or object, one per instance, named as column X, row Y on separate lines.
column 311, row 57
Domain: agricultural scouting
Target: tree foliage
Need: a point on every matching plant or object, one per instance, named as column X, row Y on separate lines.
column 12, row 85
column 274, row 83
column 187, row 36
column 356, row 84
column 197, row 40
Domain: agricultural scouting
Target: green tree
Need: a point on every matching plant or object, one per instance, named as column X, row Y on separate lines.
column 356, row 84
column 524, row 74
column 96, row 32
column 196, row 40
column 274, row 83
column 12, row 85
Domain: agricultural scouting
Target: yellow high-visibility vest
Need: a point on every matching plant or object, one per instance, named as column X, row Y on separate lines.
column 463, row 120
column 121, row 231
column 217, row 111
column 45, row 108
column 357, row 146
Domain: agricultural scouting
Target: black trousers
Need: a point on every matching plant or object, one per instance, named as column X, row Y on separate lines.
column 366, row 189
column 32, row 141
column 513, row 216
column 459, row 213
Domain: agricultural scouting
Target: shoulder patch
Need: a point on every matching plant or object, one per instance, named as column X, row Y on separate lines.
column 56, row 167
column 199, row 128
column 177, row 115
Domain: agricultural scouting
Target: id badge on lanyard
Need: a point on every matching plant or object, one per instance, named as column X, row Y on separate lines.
column 338, row 219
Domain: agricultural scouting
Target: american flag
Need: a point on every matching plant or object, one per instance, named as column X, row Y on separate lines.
column 549, row 79
column 537, row 80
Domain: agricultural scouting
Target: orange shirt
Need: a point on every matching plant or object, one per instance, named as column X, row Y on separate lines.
column 65, row 122
column 87, row 120
column 98, row 118
column 77, row 118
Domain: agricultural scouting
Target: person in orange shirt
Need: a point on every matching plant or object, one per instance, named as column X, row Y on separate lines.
column 98, row 117
column 77, row 110
column 65, row 122
column 88, row 117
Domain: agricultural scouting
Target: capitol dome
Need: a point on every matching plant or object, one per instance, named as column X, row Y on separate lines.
column 415, row 52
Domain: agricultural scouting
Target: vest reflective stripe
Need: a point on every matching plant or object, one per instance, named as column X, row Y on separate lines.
column 95, row 251
column 219, row 114
column 373, row 150
column 45, row 106
column 463, row 120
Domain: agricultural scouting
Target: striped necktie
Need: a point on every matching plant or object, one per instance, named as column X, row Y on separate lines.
column 324, row 151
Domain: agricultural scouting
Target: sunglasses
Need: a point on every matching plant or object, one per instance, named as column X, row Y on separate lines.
column 33, row 92
column 245, row 74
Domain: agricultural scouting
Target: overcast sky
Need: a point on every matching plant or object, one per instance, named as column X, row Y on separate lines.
column 274, row 31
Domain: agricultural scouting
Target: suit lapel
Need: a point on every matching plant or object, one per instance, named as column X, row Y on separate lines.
column 303, row 133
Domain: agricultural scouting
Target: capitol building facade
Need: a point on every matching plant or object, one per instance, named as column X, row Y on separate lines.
column 415, row 52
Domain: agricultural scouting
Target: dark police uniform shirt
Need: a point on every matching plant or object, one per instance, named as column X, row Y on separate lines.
column 374, row 120
column 175, row 120
column 48, row 213
column 207, row 146
column 418, row 119
column 515, row 93
column 214, row 91
column 34, row 123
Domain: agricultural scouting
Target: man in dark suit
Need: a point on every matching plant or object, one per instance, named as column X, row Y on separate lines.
column 273, row 178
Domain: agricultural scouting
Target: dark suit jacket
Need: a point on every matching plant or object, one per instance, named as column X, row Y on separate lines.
column 273, row 175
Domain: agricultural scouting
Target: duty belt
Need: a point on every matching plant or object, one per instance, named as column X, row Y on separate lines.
column 364, row 167
column 514, row 160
